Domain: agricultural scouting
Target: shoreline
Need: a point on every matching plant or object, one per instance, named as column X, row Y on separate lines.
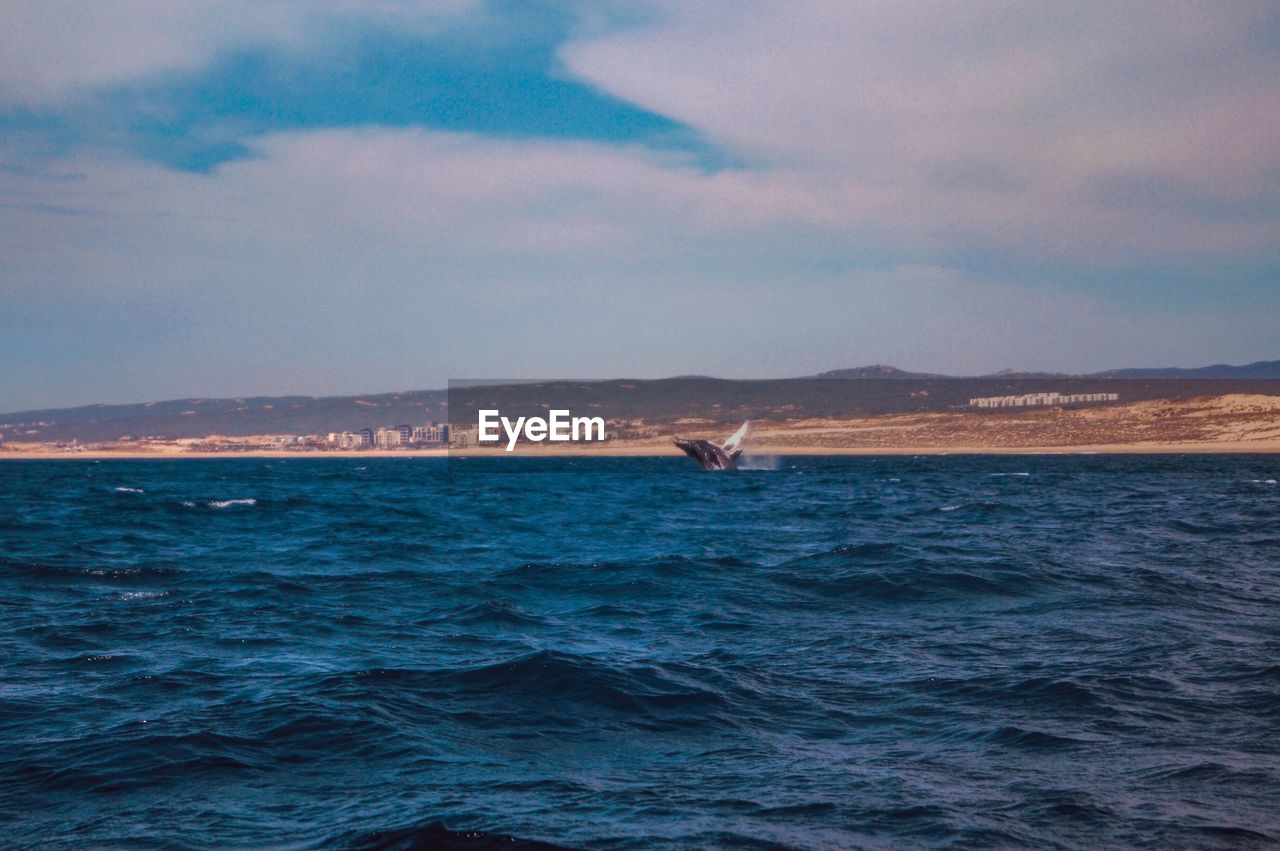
column 1268, row 447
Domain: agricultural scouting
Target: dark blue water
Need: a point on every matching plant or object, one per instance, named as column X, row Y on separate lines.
column 1057, row 651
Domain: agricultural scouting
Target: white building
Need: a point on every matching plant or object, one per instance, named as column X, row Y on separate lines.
column 463, row 437
column 350, row 439
column 1038, row 399
column 392, row 437
column 433, row 433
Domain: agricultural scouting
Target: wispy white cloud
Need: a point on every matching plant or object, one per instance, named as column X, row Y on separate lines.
column 993, row 124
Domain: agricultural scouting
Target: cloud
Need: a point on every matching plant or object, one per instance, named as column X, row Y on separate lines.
column 993, row 125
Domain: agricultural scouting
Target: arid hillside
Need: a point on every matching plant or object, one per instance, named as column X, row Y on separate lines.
column 1234, row 418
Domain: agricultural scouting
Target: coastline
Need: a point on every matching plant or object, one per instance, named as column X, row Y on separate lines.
column 1230, row 423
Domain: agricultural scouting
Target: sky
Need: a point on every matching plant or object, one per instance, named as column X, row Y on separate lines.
column 216, row 198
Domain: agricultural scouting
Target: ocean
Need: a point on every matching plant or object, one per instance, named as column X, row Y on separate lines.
column 1053, row 651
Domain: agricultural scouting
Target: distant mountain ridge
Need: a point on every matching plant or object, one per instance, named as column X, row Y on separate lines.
column 878, row 370
column 1259, row 369
column 880, row 389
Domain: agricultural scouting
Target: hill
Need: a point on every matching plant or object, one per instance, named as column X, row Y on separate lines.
column 1258, row 369
column 863, row 391
column 878, row 370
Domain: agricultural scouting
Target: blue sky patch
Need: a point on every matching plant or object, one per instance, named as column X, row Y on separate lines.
column 497, row 76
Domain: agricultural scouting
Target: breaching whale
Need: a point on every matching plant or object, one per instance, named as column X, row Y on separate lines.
column 715, row 457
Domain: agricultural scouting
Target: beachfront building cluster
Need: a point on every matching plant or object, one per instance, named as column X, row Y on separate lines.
column 391, row 437
column 1028, row 400
column 361, row 439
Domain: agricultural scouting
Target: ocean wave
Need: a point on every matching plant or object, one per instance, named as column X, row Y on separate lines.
column 1234, row 832
column 493, row 613
column 231, row 503
column 983, row 507
column 435, row 835
column 1207, row 772
column 554, row 681
column 1033, row 740
column 890, row 572
column 143, row 595
column 130, row 573
column 1043, row 694
column 660, row 575
column 220, row 504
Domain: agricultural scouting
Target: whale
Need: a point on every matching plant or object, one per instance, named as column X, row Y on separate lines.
column 715, row 456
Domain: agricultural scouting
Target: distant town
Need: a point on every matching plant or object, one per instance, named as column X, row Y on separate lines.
column 390, row 437
column 433, row 435
column 1032, row 400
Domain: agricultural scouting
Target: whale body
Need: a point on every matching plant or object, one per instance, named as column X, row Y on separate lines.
column 712, row 456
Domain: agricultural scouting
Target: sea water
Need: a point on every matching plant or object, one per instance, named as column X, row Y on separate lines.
column 627, row 653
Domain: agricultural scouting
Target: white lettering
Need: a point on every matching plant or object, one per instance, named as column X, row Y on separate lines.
column 513, row 433
column 587, row 424
column 488, row 420
column 559, row 426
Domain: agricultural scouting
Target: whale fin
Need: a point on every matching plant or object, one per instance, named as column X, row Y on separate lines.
column 732, row 443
